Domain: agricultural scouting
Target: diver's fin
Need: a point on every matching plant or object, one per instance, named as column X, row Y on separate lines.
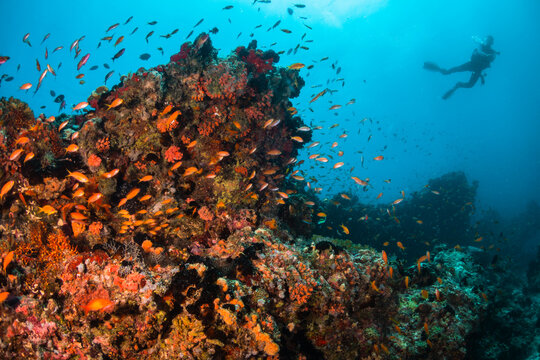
column 431, row 66
column 448, row 93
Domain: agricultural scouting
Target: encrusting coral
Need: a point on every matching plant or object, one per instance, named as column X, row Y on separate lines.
column 164, row 232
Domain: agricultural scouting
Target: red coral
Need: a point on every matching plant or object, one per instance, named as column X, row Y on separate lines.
column 94, row 161
column 173, row 154
column 103, row 144
column 184, row 52
column 261, row 65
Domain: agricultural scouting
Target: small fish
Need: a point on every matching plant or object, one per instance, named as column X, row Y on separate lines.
column 119, row 40
column 359, row 181
column 318, row 96
column 97, row 305
column 118, row 54
column 134, row 192
column 338, row 165
column 83, row 61
column 72, row 148
column 112, row 27
column 400, row 245
column 274, row 152
column 80, row 105
column 148, row 35
column 152, row 23
column 378, row 158
column 16, row 154
column 48, row 210
column 7, row 260
column 345, row 229
column 335, row 107
column 80, row 177
column 286, row 31
column 296, row 66
column 144, row 56
column 199, row 23
column 134, row 30
column 6, row 188
column 146, row 178
column 397, row 201
column 128, row 20
column 108, row 76
column 228, row 7
column 117, row 102
column 25, row 86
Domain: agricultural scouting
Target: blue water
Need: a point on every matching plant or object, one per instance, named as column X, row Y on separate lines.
column 490, row 132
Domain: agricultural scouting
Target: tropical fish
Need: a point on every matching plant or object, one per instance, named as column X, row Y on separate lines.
column 378, row 158
column 118, row 54
column 83, row 61
column 117, row 102
column 80, row 105
column 296, row 66
column 80, row 177
column 97, row 305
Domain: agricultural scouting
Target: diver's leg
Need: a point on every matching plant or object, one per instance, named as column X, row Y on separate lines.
column 455, row 69
column 472, row 81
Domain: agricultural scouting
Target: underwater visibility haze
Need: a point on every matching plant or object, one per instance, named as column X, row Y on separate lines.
column 272, row 179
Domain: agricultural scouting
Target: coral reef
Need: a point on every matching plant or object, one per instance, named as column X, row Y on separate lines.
column 166, row 225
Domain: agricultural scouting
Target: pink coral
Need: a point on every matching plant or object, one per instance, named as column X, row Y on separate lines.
column 173, row 154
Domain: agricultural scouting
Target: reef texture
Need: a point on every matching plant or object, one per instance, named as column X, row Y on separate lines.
column 160, row 225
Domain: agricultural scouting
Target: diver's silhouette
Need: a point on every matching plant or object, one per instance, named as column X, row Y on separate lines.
column 481, row 59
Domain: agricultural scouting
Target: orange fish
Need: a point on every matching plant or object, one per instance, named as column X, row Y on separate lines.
column 190, row 170
column 72, row 148
column 379, row 196
column 345, row 229
column 117, row 102
column 385, row 257
column 80, row 177
column 322, row 159
column 400, row 245
column 5, row 189
column 25, row 86
column 318, row 95
column 80, row 105
column 374, row 287
column 437, row 294
column 391, row 272
column 191, row 144
column 132, row 193
column 296, row 66
column 167, row 109
column 96, row 305
column 94, row 197
column 22, row 140
column 395, row 202
column 359, row 181
column 8, row 259
column 345, row 196
column 146, row 178
column 176, row 165
column 111, row 173
column 338, row 165
column 426, row 328
column 424, row 294
column 16, row 154
column 378, row 158
column 274, row 152
column 313, row 144
column 406, row 282
column 311, row 157
column 48, row 210
column 335, row 107
column 297, row 139
column 145, row 197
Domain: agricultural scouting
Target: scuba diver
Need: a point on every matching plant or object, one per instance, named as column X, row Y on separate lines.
column 481, row 59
